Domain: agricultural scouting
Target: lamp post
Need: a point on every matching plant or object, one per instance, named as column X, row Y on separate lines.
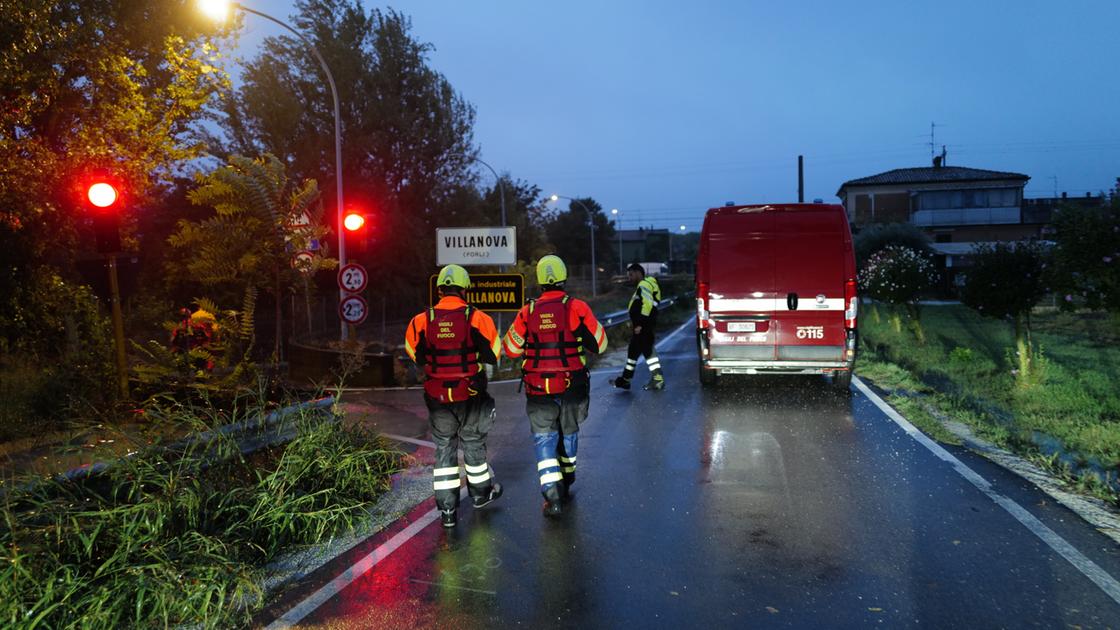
column 501, row 190
column 618, row 228
column 682, row 229
column 591, row 222
column 220, row 9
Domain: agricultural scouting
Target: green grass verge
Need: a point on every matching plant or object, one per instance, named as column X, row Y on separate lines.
column 1066, row 413
column 168, row 538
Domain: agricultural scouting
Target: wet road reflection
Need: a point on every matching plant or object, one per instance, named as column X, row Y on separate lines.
column 765, row 502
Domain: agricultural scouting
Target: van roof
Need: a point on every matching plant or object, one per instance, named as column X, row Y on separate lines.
column 774, row 207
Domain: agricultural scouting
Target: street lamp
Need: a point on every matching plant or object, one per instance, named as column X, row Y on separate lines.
column 220, row 10
column 618, row 228
column 682, row 229
column 591, row 221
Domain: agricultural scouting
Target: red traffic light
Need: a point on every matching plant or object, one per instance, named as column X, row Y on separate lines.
column 353, row 221
column 102, row 194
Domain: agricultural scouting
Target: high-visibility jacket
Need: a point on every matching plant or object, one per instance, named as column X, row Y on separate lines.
column 554, row 334
column 452, row 339
column 643, row 304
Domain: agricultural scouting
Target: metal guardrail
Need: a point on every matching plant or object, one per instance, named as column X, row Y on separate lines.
column 614, row 319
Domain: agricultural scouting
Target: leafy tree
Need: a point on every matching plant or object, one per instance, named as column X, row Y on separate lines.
column 877, row 236
column 1006, row 281
column 526, row 211
column 109, row 84
column 898, row 276
column 408, row 149
column 261, row 218
column 1087, row 255
column 569, row 233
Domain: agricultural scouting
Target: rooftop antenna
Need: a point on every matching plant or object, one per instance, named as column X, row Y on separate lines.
column 932, row 143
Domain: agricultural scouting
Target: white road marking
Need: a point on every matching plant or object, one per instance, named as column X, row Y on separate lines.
column 359, row 568
column 355, row 571
column 1087, row 567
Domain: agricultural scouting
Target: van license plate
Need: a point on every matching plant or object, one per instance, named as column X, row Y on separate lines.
column 740, row 327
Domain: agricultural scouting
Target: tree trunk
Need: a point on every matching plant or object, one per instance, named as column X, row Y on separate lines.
column 279, row 315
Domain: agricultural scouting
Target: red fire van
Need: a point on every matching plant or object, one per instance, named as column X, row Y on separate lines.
column 776, row 292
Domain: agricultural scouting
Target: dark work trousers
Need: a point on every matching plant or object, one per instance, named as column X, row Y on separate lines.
column 465, row 422
column 641, row 345
column 554, row 420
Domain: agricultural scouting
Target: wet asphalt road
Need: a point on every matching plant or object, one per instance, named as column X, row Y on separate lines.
column 768, row 502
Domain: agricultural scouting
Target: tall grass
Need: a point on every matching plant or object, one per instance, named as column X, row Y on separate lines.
column 175, row 536
column 1068, row 399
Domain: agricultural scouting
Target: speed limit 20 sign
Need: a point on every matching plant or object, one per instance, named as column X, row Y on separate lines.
column 353, row 309
column 353, row 278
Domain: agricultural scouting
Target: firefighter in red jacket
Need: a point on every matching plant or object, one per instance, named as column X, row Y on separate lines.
column 553, row 335
column 449, row 342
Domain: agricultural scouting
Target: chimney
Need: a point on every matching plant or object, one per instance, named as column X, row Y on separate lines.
column 937, row 161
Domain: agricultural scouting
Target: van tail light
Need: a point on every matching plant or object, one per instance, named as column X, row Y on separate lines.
column 851, row 302
column 702, row 304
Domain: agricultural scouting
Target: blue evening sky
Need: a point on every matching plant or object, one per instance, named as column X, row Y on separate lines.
column 663, row 109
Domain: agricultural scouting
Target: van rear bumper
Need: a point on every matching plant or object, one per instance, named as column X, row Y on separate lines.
column 777, row 367
column 758, row 365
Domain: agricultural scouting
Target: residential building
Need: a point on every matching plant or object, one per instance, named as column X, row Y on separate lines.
column 958, row 207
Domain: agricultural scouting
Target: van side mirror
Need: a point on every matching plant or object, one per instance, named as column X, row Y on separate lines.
column 791, row 301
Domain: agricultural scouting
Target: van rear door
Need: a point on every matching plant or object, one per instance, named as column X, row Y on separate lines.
column 808, row 321
column 740, row 257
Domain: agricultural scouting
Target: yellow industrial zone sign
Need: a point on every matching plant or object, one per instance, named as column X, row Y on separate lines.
column 489, row 291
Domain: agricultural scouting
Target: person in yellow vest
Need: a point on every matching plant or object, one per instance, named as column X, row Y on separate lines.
column 643, row 318
column 552, row 336
column 450, row 341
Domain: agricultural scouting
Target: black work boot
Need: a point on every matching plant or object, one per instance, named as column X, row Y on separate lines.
column 493, row 493
column 566, row 486
column 552, row 507
column 621, row 382
column 447, row 517
column 657, row 383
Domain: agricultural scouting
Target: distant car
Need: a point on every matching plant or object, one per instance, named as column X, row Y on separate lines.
column 655, row 268
column 776, row 292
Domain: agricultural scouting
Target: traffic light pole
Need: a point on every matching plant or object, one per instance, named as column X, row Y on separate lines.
column 118, row 328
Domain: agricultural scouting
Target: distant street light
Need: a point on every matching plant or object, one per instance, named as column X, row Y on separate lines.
column 591, row 221
column 221, row 10
column 682, row 229
column 618, row 228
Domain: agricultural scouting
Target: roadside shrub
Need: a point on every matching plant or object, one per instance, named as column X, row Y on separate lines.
column 175, row 536
column 898, row 276
column 879, row 235
column 55, row 354
column 1005, row 281
column 1087, row 256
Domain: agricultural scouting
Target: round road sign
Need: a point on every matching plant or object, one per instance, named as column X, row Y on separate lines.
column 353, row 278
column 353, row 309
column 303, row 261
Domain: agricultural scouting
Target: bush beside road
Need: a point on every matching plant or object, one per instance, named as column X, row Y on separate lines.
column 1065, row 415
column 179, row 536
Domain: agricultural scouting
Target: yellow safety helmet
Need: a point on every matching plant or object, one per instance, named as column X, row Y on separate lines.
column 454, row 276
column 551, row 270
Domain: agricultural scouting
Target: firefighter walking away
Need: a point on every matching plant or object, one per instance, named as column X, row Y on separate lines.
column 553, row 336
column 643, row 318
column 449, row 342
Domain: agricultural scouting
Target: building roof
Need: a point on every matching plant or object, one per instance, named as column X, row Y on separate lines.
column 931, row 175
